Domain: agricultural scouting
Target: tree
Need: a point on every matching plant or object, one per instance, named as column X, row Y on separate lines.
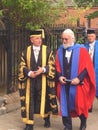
column 89, row 3
column 79, row 10
column 31, row 13
column 81, row 7
column 81, row 3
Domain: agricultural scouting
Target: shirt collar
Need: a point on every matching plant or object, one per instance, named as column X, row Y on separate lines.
column 36, row 48
column 92, row 44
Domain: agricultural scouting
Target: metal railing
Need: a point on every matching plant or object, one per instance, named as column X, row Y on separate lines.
column 13, row 41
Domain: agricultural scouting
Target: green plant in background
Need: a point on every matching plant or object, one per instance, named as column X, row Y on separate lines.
column 32, row 13
column 1, row 13
column 80, row 40
column 87, row 4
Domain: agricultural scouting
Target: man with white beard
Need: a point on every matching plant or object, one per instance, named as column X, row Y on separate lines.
column 76, row 80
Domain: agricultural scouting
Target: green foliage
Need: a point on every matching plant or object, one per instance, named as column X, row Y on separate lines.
column 93, row 15
column 1, row 13
column 81, row 3
column 32, row 13
column 87, row 4
column 80, row 40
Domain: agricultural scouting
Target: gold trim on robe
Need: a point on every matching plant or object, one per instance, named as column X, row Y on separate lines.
column 43, row 95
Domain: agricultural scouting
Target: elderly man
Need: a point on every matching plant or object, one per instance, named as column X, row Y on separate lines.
column 37, row 82
column 76, row 80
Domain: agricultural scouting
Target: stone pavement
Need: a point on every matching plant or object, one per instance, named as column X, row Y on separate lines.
column 12, row 121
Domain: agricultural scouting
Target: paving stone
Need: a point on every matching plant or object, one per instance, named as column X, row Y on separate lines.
column 12, row 120
column 3, row 110
column 10, row 102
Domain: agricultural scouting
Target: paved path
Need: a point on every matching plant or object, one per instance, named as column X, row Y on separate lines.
column 12, row 121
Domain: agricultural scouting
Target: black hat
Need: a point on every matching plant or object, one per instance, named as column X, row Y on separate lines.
column 90, row 31
column 39, row 32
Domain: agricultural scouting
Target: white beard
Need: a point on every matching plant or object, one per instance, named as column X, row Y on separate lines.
column 66, row 45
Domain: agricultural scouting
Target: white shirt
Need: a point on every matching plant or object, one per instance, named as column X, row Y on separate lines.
column 68, row 55
column 91, row 49
column 36, row 52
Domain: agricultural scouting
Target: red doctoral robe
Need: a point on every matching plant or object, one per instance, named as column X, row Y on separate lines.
column 85, row 93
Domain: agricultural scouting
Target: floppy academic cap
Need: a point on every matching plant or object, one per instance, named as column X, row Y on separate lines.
column 90, row 31
column 38, row 32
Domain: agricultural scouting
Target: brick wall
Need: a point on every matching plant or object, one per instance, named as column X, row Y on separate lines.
column 72, row 14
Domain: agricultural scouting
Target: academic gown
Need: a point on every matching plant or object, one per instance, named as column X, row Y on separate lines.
column 37, row 95
column 81, row 97
column 95, row 61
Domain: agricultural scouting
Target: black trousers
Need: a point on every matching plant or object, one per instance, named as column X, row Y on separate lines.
column 67, row 121
column 47, row 119
column 83, row 119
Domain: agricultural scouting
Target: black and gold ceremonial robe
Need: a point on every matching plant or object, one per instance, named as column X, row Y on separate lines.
column 37, row 95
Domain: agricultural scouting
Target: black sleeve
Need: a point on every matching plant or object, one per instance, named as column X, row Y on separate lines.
column 26, row 71
column 58, row 75
column 82, row 75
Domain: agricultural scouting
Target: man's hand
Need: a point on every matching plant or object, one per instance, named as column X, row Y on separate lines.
column 75, row 81
column 40, row 70
column 33, row 74
column 62, row 79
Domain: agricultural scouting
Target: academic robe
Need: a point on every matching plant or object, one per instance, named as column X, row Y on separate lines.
column 37, row 95
column 81, row 97
column 95, row 61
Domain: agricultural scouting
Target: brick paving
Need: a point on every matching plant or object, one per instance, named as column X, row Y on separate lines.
column 12, row 121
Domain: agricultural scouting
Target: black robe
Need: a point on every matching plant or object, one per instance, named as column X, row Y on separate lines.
column 37, row 95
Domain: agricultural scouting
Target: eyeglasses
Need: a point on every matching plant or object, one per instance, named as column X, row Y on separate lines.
column 66, row 39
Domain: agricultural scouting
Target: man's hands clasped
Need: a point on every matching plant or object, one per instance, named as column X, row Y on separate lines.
column 34, row 74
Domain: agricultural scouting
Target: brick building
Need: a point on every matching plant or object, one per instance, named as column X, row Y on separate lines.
column 71, row 15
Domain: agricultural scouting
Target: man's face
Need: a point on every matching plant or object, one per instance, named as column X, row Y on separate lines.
column 36, row 40
column 91, row 37
column 67, row 40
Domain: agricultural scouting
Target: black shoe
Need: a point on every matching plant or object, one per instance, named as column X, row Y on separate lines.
column 28, row 127
column 83, row 122
column 67, row 128
column 83, row 126
column 47, row 124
